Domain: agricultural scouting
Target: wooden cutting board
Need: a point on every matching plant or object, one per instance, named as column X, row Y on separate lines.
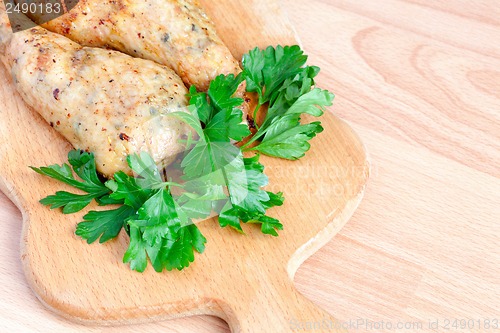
column 245, row 279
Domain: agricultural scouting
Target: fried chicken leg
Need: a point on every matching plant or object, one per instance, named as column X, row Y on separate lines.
column 175, row 33
column 101, row 101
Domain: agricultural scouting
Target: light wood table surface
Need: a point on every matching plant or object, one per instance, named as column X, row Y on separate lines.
column 419, row 80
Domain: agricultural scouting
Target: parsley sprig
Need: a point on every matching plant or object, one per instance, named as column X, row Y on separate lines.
column 84, row 166
column 279, row 77
column 215, row 175
column 214, row 156
column 144, row 207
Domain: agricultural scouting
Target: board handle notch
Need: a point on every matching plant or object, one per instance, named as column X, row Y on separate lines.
column 275, row 305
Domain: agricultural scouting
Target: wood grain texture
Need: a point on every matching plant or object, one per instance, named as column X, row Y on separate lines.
column 451, row 23
column 246, row 280
column 424, row 243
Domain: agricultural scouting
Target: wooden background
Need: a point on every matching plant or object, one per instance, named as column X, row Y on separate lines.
column 420, row 82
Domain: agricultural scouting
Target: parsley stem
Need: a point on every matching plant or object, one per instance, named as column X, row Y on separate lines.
column 245, row 146
column 165, row 184
column 257, row 108
column 257, row 136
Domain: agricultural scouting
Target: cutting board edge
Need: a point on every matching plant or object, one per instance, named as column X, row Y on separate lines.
column 138, row 317
column 339, row 220
column 324, row 236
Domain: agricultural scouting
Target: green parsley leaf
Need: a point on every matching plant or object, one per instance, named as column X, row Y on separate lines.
column 248, row 202
column 266, row 70
column 229, row 216
column 225, row 125
column 244, row 185
column 191, row 118
column 127, row 191
column 220, row 120
column 136, row 253
column 146, row 170
column 70, row 202
column 201, row 197
column 158, row 218
column 269, row 225
column 287, row 138
column 214, row 157
column 83, row 164
column 275, row 199
column 207, row 157
column 158, row 234
column 312, row 102
column 105, row 224
column 290, row 94
column 217, row 110
column 221, row 92
column 200, row 107
column 181, row 253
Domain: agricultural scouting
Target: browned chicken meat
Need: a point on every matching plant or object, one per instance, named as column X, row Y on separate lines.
column 175, row 33
column 102, row 101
